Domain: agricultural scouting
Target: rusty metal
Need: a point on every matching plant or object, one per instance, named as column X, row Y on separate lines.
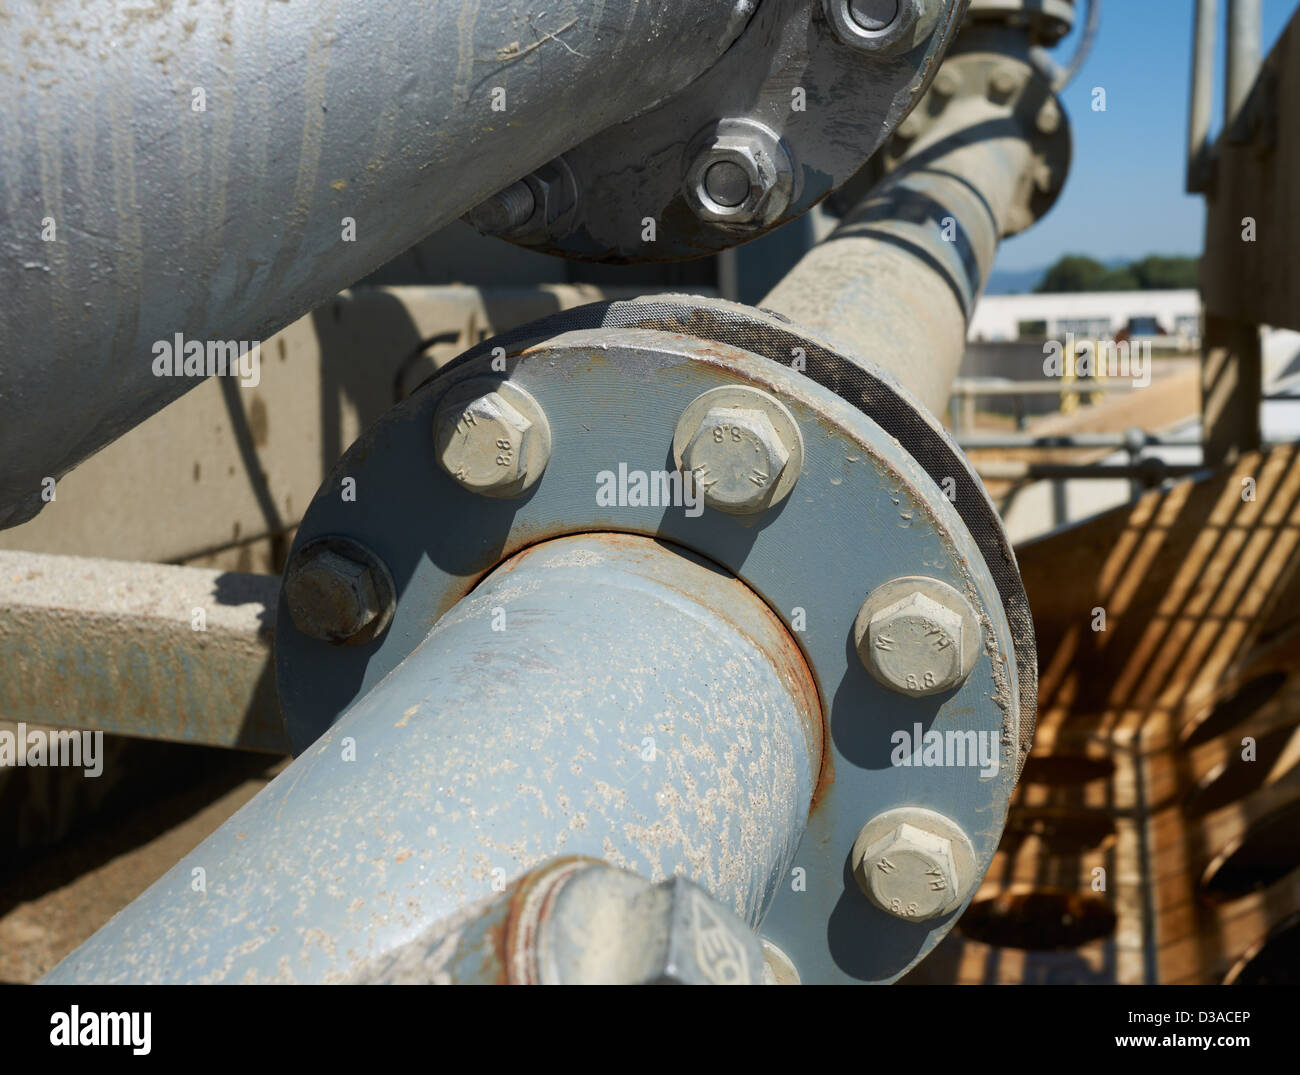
column 633, row 703
column 858, row 488
column 577, row 921
column 160, row 652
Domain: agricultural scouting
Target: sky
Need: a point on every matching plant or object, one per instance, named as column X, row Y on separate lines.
column 1124, row 198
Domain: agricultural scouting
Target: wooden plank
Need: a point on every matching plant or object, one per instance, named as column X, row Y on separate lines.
column 1201, row 590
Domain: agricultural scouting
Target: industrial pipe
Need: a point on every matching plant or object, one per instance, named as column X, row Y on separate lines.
column 896, row 282
column 1202, row 99
column 201, row 181
column 602, row 695
column 1244, row 29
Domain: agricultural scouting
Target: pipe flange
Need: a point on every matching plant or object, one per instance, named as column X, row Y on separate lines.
column 1007, row 89
column 613, row 396
column 788, row 73
column 876, row 394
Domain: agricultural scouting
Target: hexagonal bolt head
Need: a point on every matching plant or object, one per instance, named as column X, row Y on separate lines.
column 946, row 83
column 739, row 177
column 887, row 27
column 542, row 204
column 482, row 443
column 910, row 873
column 1048, row 120
column 332, row 597
column 735, row 456
column 608, row 926
column 915, row 646
column 1004, row 83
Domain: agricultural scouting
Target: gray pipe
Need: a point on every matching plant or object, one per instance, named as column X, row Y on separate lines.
column 598, row 695
column 897, row 281
column 1202, row 94
column 1243, row 54
column 195, row 172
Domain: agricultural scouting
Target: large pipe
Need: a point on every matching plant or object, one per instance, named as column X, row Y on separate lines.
column 599, row 695
column 1244, row 27
column 897, row 281
column 220, row 171
column 1202, row 94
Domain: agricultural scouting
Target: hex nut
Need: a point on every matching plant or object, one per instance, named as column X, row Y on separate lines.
column 910, row 873
column 541, row 205
column 606, row 926
column 914, row 646
column 868, row 26
column 338, row 592
column 555, row 198
column 1048, row 120
column 1004, row 83
column 751, row 151
column 736, row 457
column 741, row 447
column 917, row 635
column 491, row 437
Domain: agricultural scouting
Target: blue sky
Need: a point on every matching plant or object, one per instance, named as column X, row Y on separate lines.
column 1124, row 198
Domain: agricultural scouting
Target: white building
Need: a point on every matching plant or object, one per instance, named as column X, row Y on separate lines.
column 1089, row 315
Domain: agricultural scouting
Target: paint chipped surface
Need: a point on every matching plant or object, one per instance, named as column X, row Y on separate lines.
column 638, row 666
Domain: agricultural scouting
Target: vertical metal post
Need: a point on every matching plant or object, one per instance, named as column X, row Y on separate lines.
column 1202, row 94
column 1243, row 54
column 599, row 695
column 1231, row 379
